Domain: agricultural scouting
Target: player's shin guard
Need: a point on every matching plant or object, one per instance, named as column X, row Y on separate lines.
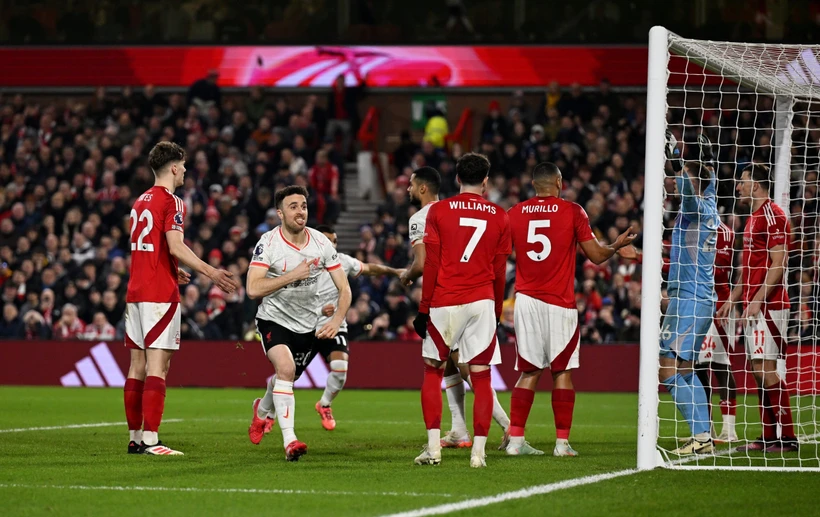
column 520, row 406
column 781, row 405
column 454, row 387
column 335, row 382
column 153, row 404
column 132, row 395
column 431, row 405
column 563, row 404
column 285, row 406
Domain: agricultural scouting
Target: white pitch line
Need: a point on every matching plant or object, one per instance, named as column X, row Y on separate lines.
column 77, row 426
column 517, row 494
column 220, row 490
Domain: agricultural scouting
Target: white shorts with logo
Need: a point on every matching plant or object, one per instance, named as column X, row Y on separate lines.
column 716, row 346
column 468, row 328
column 766, row 335
column 152, row 325
column 546, row 335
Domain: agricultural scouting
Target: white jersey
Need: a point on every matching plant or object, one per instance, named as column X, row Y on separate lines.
column 293, row 306
column 418, row 222
column 328, row 293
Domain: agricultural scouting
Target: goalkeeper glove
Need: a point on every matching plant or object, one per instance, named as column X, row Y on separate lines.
column 706, row 151
column 420, row 324
column 673, row 153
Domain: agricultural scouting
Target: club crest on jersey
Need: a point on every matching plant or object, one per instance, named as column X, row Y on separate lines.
column 178, row 218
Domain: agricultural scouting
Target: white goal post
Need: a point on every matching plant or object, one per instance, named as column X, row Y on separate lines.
column 757, row 103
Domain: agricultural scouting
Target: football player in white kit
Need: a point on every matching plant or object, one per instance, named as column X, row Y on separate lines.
column 284, row 272
column 425, row 183
column 334, row 350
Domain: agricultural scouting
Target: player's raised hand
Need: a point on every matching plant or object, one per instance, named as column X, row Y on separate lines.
column 328, row 310
column 673, row 153
column 183, row 277
column 302, row 271
column 628, row 252
column 224, row 281
column 328, row 331
column 625, row 239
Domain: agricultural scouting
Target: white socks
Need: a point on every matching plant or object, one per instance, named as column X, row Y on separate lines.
column 478, row 446
column 728, row 424
column 516, row 441
column 266, row 405
column 433, row 440
column 499, row 415
column 285, row 408
column 135, row 436
column 150, row 438
column 455, row 399
column 335, row 382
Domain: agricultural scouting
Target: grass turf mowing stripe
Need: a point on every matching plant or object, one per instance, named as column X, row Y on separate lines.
column 282, row 491
column 78, row 426
column 517, row 494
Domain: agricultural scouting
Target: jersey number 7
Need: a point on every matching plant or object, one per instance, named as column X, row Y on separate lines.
column 480, row 226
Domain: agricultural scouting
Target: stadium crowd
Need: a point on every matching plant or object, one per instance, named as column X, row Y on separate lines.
column 71, row 169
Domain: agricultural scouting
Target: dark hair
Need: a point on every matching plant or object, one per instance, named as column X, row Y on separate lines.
column 325, row 228
column 700, row 171
column 291, row 190
column 430, row 177
column 545, row 172
column 472, row 168
column 164, row 153
column 760, row 173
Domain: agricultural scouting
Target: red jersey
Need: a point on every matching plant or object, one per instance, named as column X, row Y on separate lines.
column 724, row 258
column 545, row 234
column 767, row 227
column 471, row 233
column 324, row 179
column 153, row 268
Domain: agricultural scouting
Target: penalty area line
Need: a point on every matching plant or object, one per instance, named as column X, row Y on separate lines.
column 524, row 493
column 267, row 491
column 78, row 426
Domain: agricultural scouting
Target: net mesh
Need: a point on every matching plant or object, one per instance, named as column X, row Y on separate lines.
column 757, row 104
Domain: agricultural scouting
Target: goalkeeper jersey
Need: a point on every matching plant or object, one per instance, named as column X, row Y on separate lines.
column 694, row 236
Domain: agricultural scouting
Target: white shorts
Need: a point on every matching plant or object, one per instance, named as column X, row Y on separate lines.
column 152, row 325
column 766, row 335
column 468, row 328
column 716, row 346
column 546, row 335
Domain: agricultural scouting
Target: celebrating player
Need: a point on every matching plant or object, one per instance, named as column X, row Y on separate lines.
column 334, row 350
column 545, row 233
column 285, row 270
column 765, row 306
column 467, row 241
column 714, row 353
column 152, row 313
column 423, row 189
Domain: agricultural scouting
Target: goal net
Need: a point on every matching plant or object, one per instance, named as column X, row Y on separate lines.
column 756, row 104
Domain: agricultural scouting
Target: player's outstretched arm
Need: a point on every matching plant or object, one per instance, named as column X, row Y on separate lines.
column 415, row 271
column 183, row 253
column 259, row 286
column 598, row 253
column 380, row 270
column 331, row 328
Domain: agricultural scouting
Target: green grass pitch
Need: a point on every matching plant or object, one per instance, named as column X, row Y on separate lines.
column 364, row 467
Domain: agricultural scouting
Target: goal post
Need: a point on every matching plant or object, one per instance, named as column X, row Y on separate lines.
column 756, row 104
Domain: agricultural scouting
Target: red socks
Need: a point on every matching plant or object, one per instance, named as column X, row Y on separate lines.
column 132, row 394
column 431, row 396
column 520, row 405
column 483, row 403
column 781, row 408
column 767, row 418
column 728, row 407
column 153, row 403
column 563, row 403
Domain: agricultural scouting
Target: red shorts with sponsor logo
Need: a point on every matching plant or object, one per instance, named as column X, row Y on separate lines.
column 152, row 325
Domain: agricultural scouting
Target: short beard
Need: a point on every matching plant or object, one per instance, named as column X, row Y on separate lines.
column 415, row 201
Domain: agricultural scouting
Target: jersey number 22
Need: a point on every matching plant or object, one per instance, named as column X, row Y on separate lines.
column 149, row 225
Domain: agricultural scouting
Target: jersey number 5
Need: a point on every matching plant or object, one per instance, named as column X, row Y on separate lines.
column 480, row 226
column 532, row 237
column 149, row 225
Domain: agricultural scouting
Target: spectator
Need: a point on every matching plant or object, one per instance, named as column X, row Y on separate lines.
column 10, row 327
column 34, row 326
column 70, row 326
column 99, row 329
column 343, row 110
column 204, row 93
column 436, row 128
column 324, row 180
